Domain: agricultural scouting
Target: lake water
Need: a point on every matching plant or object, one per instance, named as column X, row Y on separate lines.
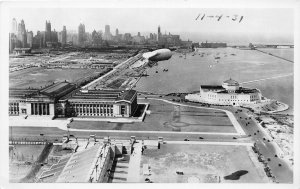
column 186, row 75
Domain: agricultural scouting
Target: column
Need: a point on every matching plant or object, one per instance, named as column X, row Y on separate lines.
column 80, row 109
column 34, row 108
column 38, row 108
column 47, row 109
column 42, row 104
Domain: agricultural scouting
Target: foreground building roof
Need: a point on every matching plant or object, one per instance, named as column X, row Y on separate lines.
column 101, row 95
column 80, row 165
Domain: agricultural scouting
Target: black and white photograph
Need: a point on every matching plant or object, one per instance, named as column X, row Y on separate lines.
column 153, row 92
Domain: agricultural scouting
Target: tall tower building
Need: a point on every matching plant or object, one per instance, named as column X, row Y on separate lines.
column 107, row 34
column 29, row 39
column 158, row 34
column 54, row 37
column 64, row 36
column 81, row 34
column 47, row 37
column 14, row 27
column 117, row 32
column 22, row 35
column 107, row 29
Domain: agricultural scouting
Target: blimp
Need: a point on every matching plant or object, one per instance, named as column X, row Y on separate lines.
column 158, row 55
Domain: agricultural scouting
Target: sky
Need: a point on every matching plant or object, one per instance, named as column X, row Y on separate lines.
column 257, row 25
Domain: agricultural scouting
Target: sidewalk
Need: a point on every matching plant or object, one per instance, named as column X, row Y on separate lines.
column 134, row 164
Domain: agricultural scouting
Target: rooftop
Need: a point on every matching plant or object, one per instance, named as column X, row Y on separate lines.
column 231, row 82
column 81, row 164
column 58, row 89
column 212, row 87
column 102, row 95
column 22, row 93
column 241, row 90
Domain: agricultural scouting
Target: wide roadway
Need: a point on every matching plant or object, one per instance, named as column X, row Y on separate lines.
column 266, row 147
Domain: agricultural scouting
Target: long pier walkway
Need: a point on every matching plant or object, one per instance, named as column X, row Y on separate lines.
column 275, row 55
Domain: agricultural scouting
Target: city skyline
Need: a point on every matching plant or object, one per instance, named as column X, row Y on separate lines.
column 250, row 28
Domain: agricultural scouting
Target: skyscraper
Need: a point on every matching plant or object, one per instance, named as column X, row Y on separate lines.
column 29, row 38
column 117, row 32
column 81, row 34
column 22, row 37
column 158, row 34
column 14, row 27
column 47, row 37
column 107, row 29
column 64, row 36
column 54, row 37
column 107, row 35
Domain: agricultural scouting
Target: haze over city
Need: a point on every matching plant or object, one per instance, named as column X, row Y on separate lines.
column 258, row 25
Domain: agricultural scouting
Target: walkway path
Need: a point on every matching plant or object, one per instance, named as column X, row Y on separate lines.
column 246, row 143
column 274, row 77
column 134, row 164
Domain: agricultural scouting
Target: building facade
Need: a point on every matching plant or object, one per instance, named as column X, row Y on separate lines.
column 229, row 93
column 64, row 36
column 101, row 103
column 22, row 35
column 64, row 100
column 81, row 34
column 35, row 102
column 47, row 34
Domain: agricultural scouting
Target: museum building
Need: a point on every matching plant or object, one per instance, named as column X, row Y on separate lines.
column 101, row 103
column 64, row 100
column 229, row 93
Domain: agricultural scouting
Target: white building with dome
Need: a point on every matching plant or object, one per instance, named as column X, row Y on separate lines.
column 229, row 93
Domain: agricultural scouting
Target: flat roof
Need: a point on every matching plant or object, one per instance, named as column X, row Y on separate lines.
column 242, row 90
column 13, row 92
column 212, row 87
column 102, row 95
column 58, row 89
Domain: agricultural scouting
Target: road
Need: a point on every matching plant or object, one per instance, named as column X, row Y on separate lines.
column 266, row 147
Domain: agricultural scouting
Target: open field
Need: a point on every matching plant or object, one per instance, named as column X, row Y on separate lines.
column 168, row 117
column 208, row 163
column 39, row 77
